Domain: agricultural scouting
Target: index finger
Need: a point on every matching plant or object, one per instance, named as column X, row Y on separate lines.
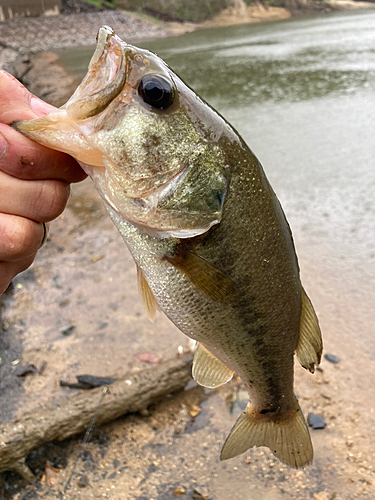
column 20, row 156
column 17, row 103
column 25, row 159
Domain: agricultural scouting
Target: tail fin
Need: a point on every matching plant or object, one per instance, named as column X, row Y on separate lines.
column 288, row 439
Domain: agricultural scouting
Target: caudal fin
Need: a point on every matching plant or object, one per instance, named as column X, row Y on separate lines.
column 288, row 439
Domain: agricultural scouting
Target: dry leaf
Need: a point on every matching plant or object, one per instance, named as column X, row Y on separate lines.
column 51, row 475
column 97, row 257
column 148, row 358
column 195, row 410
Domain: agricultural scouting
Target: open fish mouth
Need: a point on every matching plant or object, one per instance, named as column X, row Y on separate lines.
column 104, row 80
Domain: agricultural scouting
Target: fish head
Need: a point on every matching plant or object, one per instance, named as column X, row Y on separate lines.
column 150, row 144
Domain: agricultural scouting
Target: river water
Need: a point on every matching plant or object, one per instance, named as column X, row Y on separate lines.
column 302, row 94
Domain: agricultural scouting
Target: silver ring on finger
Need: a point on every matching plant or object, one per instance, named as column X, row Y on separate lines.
column 45, row 234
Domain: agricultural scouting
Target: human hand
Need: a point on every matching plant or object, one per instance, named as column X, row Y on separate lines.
column 34, row 181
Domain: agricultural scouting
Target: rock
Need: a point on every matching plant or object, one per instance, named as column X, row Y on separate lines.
column 199, row 494
column 195, row 411
column 147, row 357
column 82, row 481
column 179, row 491
column 21, row 67
column 67, row 330
column 316, row 421
column 22, row 371
column 93, row 381
column 323, row 495
column 239, row 403
column 332, row 358
column 57, row 281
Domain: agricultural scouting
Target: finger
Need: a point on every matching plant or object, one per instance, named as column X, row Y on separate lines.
column 17, row 103
column 41, row 200
column 8, row 270
column 25, row 159
column 20, row 238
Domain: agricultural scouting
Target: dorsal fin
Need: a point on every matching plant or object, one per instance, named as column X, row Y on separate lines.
column 146, row 295
column 207, row 278
column 208, row 370
column 310, row 346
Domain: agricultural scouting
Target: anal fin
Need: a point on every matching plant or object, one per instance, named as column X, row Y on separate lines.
column 288, row 439
column 208, row 370
column 146, row 295
column 310, row 346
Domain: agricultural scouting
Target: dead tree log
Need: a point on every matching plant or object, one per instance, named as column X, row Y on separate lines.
column 130, row 394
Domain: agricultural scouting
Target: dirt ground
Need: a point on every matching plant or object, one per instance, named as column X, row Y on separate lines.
column 76, row 311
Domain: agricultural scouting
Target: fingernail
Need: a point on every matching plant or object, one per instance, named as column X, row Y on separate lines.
column 3, row 146
column 39, row 107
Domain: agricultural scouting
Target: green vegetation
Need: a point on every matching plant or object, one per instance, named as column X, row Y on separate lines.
column 109, row 4
column 194, row 11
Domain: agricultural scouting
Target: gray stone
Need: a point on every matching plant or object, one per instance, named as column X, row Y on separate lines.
column 316, row 421
column 332, row 358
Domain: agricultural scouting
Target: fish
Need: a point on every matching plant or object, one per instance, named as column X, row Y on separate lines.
column 210, row 240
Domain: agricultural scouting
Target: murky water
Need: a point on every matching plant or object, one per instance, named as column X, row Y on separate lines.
column 302, row 95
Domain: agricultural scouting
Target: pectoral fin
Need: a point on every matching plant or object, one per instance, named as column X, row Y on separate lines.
column 310, row 346
column 146, row 295
column 208, row 370
column 209, row 280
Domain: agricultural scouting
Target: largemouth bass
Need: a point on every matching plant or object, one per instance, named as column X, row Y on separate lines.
column 210, row 240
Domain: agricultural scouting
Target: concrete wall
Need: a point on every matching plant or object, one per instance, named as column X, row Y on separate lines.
column 10, row 9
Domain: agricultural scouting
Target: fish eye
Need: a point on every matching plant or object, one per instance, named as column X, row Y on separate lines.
column 156, row 91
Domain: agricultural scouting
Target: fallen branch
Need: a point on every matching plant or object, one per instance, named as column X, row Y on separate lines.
column 130, row 394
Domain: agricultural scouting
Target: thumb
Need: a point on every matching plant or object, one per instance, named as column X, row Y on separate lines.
column 17, row 103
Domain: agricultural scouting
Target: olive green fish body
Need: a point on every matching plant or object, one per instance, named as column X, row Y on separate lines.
column 257, row 332
column 212, row 245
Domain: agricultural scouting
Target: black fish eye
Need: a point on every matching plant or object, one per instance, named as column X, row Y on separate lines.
column 156, row 91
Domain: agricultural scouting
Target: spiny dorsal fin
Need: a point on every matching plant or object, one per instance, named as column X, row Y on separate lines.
column 147, row 297
column 208, row 370
column 310, row 346
column 204, row 275
column 289, row 439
